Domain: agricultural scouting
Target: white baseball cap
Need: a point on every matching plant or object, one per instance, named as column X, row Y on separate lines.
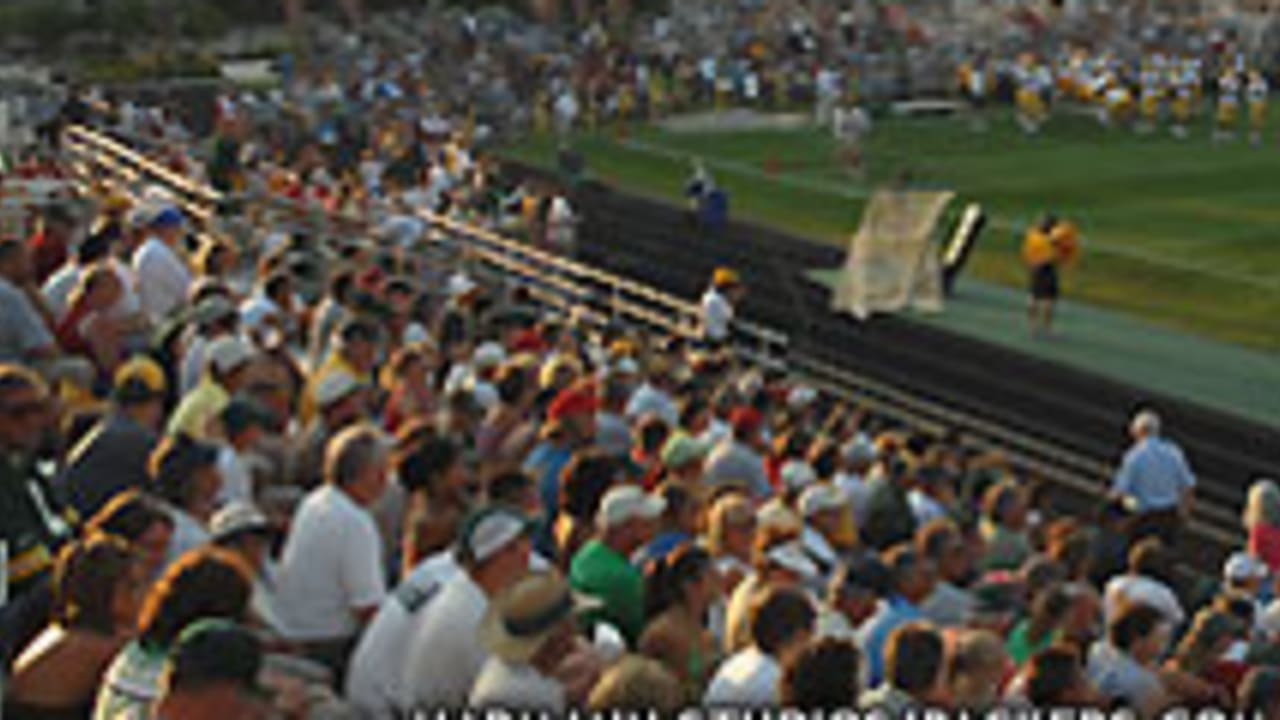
column 819, row 497
column 488, row 356
column 776, row 514
column 459, row 284
column 791, row 555
column 801, row 396
column 490, row 530
column 237, row 517
column 1242, row 566
column 334, row 387
column 628, row 502
column 798, row 474
column 227, row 354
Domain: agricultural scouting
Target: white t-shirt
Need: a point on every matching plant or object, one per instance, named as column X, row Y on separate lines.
column 332, row 565
column 748, row 679
column 163, row 279
column 237, row 481
column 1145, row 590
column 188, row 534
column 717, row 313
column 57, row 289
column 503, row 685
column 375, row 679
column 445, row 655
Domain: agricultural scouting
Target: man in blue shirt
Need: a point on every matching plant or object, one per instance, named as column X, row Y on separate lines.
column 913, row 577
column 1154, row 481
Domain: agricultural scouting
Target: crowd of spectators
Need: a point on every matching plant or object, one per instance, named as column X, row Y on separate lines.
column 275, row 466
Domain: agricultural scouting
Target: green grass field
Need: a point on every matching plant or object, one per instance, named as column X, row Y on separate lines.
column 1181, row 233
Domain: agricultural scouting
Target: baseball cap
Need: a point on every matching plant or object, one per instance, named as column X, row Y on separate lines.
column 819, row 497
column 227, row 354
column 488, row 356
column 575, row 400
column 681, row 450
column 335, row 386
column 798, row 474
column 628, row 502
column 138, row 380
column 214, row 651
column 489, row 530
column 213, row 308
column 237, row 518
column 167, row 217
column 1242, row 566
column 243, row 413
column 791, row 555
column 460, row 284
column 776, row 514
column 801, row 396
column 724, row 277
column 746, row 420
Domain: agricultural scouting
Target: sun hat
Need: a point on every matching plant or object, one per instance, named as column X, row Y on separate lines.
column 524, row 615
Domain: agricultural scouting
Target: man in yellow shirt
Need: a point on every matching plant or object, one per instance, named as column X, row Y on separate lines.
column 355, row 354
column 227, row 363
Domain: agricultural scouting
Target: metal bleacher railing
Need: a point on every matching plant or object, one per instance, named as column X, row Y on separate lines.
column 600, row 297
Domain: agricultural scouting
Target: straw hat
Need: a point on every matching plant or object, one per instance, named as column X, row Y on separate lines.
column 521, row 619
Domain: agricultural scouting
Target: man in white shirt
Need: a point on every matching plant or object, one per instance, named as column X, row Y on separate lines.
column 781, row 619
column 530, row 631
column 1150, row 562
column 163, row 278
column 718, row 306
column 332, row 569
column 445, row 653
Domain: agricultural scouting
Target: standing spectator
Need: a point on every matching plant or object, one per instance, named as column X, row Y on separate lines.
column 679, row 591
column 602, row 567
column 528, row 632
column 97, row 586
column 1124, row 666
column 184, row 473
column 781, row 621
column 112, row 456
column 331, row 570
column 951, row 602
column 911, row 580
column 445, row 653
column 821, row 677
column 205, row 584
column 914, row 659
column 213, row 674
column 1155, row 480
column 163, row 278
column 1262, row 522
column 227, row 369
column 25, row 335
column 718, row 308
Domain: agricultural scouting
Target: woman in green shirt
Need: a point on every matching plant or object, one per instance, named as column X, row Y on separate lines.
column 1042, row 628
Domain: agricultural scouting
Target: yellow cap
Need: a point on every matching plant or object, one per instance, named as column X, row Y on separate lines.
column 141, row 378
column 724, row 277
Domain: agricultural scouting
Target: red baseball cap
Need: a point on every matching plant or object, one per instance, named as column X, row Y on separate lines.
column 573, row 401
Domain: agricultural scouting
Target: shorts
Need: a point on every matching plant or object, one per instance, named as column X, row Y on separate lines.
column 1044, row 282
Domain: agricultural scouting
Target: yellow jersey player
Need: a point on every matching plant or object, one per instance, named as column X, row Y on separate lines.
column 1032, row 111
column 1152, row 93
column 1119, row 102
column 1182, row 91
column 1228, row 106
column 1256, row 93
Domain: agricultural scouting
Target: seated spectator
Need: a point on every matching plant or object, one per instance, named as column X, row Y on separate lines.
column 888, row 518
column 163, row 277
column 914, row 658
column 602, row 568
column 679, row 590
column 731, row 528
column 25, row 335
column 829, row 534
column 1124, row 667
column 244, row 530
column 678, row 524
column 89, row 329
column 204, row 584
column 1150, row 581
column 951, row 603
column 1056, row 678
column 528, row 631
column 507, row 433
column 583, row 484
column 184, row 474
column 911, row 581
column 1004, row 527
column 228, row 364
column 97, row 590
column 143, row 522
column 331, row 570
column 853, row 596
column 1260, row 693
column 779, row 561
column 821, row 677
column 112, row 457
column 636, row 684
column 436, row 479
column 1203, row 673
column 445, row 654
column 244, row 422
column 213, row 673
column 1262, row 522
column 781, row 622
column 978, row 668
column 354, row 355
column 738, row 459
column 341, row 402
column 1043, row 627
column 569, row 427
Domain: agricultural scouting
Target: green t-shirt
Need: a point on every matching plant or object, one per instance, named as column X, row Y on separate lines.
column 1020, row 647
column 597, row 570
